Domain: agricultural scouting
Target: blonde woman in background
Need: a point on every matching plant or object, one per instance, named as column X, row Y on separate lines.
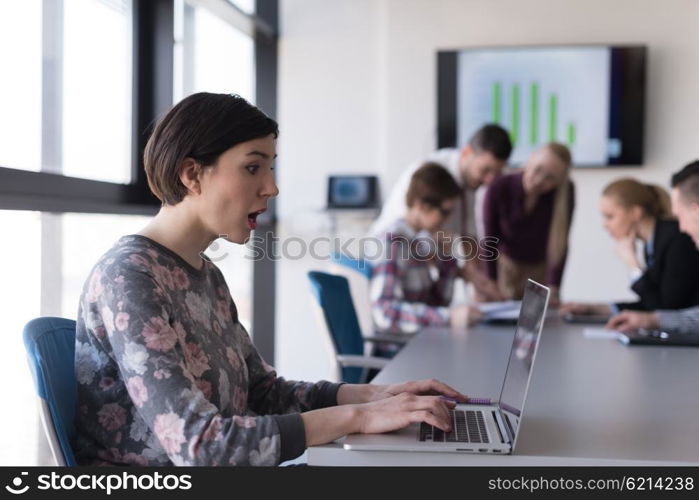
column 529, row 212
column 668, row 277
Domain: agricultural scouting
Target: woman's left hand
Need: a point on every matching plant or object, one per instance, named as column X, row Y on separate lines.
column 419, row 387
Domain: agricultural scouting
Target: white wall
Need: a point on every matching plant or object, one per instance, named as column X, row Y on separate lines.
column 357, row 94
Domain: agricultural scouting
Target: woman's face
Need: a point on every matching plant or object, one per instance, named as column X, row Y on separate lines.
column 620, row 222
column 236, row 190
column 544, row 172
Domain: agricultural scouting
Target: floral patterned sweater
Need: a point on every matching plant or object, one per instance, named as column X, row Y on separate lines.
column 167, row 375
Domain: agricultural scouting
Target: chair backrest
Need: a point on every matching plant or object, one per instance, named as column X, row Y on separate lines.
column 50, row 344
column 333, row 294
column 361, row 266
column 358, row 273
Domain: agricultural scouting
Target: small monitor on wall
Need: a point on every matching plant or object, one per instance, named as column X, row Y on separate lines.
column 352, row 191
column 588, row 97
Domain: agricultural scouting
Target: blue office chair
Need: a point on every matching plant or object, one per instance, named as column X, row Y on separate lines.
column 358, row 272
column 361, row 266
column 50, row 344
column 338, row 320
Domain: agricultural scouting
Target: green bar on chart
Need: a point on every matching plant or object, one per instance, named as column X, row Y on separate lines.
column 571, row 134
column 534, row 114
column 514, row 128
column 553, row 110
column 497, row 102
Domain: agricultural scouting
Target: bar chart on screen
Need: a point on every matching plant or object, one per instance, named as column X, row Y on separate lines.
column 539, row 95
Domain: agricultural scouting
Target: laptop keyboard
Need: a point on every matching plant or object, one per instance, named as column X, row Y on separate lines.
column 467, row 426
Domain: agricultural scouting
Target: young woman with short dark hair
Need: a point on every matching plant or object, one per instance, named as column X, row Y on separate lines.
column 166, row 373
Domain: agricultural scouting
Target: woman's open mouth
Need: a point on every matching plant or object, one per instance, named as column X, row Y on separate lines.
column 252, row 218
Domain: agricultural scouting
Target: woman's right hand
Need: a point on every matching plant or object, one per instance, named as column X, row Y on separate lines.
column 582, row 308
column 389, row 413
column 399, row 411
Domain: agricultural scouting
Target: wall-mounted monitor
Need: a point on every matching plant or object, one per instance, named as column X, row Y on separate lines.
column 589, row 97
column 352, row 191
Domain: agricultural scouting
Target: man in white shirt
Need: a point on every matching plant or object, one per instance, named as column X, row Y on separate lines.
column 473, row 166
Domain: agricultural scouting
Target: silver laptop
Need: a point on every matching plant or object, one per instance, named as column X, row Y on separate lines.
column 491, row 428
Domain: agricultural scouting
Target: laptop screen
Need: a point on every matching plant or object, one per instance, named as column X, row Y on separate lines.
column 529, row 324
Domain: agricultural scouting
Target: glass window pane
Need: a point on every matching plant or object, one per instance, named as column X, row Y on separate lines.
column 97, row 89
column 211, row 55
column 223, row 57
column 20, row 296
column 87, row 71
column 20, row 97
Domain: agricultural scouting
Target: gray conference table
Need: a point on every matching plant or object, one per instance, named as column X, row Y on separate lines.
column 591, row 401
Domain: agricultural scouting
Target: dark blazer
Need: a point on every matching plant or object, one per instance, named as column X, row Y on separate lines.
column 672, row 279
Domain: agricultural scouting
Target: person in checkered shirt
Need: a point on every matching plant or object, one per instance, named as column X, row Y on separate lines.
column 412, row 283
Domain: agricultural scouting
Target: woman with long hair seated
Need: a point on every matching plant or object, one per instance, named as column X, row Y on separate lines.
column 166, row 373
column 668, row 276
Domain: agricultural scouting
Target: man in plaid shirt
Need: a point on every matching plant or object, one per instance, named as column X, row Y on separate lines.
column 412, row 285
